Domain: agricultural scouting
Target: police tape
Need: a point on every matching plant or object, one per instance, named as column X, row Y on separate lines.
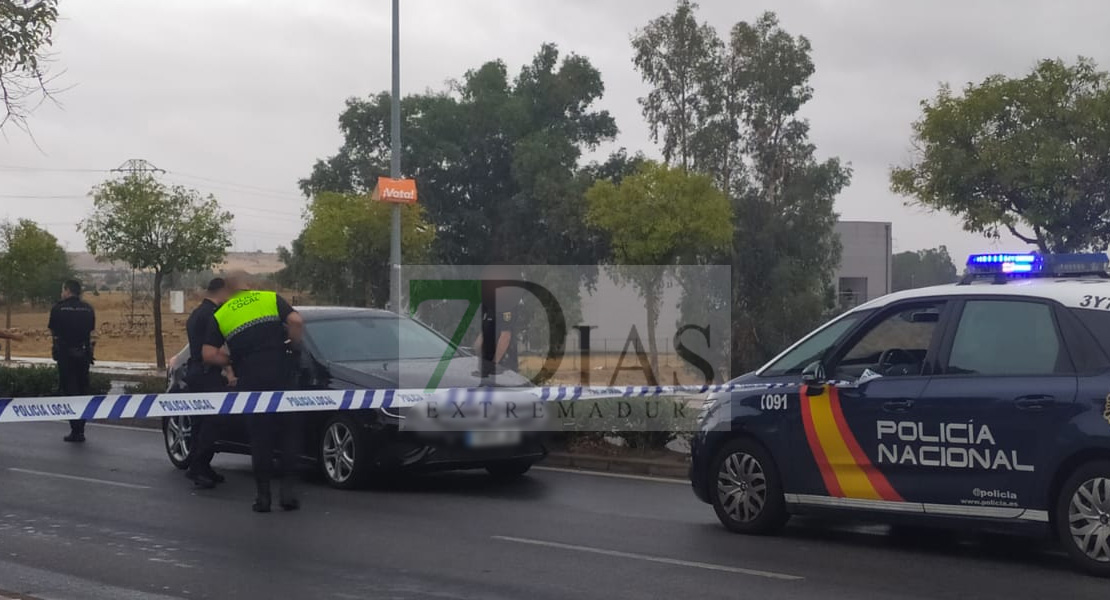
column 138, row 406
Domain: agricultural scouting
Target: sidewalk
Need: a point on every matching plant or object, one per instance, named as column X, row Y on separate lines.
column 107, row 367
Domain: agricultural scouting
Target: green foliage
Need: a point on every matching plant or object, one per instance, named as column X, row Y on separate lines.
column 26, row 33
column 496, row 160
column 922, row 268
column 140, row 221
column 146, row 385
column 342, row 256
column 750, row 140
column 660, row 216
column 1030, row 156
column 32, row 263
column 38, row 381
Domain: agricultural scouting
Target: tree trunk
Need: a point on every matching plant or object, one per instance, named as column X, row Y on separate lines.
column 159, row 347
column 653, row 320
column 8, row 325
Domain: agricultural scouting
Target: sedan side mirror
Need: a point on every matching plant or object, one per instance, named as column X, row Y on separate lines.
column 814, row 374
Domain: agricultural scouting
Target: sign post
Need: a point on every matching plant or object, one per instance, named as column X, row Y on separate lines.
column 395, row 167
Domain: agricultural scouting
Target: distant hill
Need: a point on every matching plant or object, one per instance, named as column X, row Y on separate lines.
column 257, row 263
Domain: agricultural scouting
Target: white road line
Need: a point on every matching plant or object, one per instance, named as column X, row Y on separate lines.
column 612, row 475
column 654, row 559
column 76, row 478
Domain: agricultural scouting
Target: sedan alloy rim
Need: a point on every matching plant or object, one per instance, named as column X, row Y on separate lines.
column 1089, row 518
column 742, row 487
column 179, row 432
column 339, row 455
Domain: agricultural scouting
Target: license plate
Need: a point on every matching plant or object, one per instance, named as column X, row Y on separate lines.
column 486, row 439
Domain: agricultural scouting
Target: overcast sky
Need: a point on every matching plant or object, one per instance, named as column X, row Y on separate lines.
column 240, row 97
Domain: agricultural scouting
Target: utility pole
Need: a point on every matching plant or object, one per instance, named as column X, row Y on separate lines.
column 131, row 168
column 395, row 167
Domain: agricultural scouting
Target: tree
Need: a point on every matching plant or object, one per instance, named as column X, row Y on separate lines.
column 922, row 268
column 657, row 218
column 784, row 249
column 32, row 267
column 342, row 255
column 140, row 221
column 679, row 58
column 26, row 32
column 496, row 159
column 1030, row 156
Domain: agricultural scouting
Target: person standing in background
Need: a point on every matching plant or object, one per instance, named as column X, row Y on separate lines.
column 203, row 378
column 72, row 322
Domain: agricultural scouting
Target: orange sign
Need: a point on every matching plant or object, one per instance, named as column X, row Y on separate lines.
column 400, row 191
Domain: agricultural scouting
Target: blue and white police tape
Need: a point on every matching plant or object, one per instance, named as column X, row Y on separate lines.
column 127, row 406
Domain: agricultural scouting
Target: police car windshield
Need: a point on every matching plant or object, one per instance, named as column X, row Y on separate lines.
column 812, row 349
column 368, row 339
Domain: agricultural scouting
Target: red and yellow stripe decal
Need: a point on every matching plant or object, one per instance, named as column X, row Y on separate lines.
column 845, row 468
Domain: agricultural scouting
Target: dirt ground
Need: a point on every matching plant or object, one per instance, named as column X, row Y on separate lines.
column 123, row 338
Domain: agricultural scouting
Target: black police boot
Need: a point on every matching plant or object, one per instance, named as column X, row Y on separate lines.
column 201, row 480
column 262, row 500
column 211, row 473
column 76, row 432
column 286, row 496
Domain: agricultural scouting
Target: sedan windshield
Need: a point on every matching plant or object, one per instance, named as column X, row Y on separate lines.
column 367, row 339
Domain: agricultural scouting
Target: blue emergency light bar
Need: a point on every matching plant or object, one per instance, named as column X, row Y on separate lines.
column 1032, row 264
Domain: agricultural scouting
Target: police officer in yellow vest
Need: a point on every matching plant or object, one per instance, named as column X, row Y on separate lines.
column 261, row 331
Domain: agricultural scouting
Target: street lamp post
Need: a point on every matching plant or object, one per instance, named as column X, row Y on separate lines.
column 395, row 167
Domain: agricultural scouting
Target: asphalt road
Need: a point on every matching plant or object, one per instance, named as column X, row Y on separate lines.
column 113, row 520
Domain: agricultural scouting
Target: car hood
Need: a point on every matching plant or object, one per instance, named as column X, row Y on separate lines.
column 461, row 372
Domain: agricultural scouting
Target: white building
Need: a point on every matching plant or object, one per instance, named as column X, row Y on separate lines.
column 864, row 272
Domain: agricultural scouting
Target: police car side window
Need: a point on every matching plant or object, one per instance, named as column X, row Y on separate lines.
column 895, row 346
column 1005, row 337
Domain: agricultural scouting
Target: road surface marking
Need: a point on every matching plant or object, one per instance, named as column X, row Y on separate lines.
column 76, row 478
column 655, row 559
column 613, row 475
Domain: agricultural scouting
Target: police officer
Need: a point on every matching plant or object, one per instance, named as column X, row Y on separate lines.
column 203, row 378
column 72, row 322
column 497, row 344
column 261, row 331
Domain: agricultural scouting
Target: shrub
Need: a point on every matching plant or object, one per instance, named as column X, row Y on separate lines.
column 146, row 385
column 36, row 381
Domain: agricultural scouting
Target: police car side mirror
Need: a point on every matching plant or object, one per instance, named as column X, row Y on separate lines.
column 814, row 374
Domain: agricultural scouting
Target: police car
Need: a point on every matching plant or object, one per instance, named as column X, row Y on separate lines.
column 985, row 403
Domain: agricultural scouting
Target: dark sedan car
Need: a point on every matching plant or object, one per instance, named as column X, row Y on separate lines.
column 348, row 348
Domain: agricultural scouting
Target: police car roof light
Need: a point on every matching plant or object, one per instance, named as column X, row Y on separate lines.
column 1002, row 266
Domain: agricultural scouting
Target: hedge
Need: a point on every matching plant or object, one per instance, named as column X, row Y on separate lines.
column 26, row 382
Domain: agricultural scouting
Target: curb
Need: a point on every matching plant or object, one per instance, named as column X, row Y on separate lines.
column 625, row 466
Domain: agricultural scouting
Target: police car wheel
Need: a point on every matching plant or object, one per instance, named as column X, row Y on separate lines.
column 341, row 453
column 747, row 492
column 1083, row 517
column 178, row 435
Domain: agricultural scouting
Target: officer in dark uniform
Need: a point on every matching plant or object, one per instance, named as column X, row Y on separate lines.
column 497, row 343
column 72, row 322
column 261, row 332
column 203, row 378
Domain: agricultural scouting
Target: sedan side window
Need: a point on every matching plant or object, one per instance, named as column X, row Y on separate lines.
column 895, row 346
column 1007, row 337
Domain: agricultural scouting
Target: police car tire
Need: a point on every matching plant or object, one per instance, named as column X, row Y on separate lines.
column 1085, row 473
column 359, row 453
column 180, row 464
column 774, row 514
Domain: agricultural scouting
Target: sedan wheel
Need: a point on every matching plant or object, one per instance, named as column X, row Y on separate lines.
column 178, row 435
column 339, row 453
column 1083, row 517
column 742, row 487
column 747, row 492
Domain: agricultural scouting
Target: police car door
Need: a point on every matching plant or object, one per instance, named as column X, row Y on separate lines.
column 978, row 433
column 885, row 365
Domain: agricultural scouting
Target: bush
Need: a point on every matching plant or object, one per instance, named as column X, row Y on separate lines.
column 36, row 381
column 644, row 423
column 146, row 385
